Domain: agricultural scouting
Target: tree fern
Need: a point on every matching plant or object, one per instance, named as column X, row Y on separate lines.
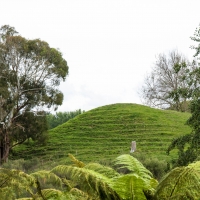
column 91, row 181
column 79, row 194
column 180, row 183
column 46, row 177
column 49, row 194
column 129, row 164
column 88, row 180
column 76, row 162
column 13, row 183
column 106, row 171
column 130, row 186
column 138, row 183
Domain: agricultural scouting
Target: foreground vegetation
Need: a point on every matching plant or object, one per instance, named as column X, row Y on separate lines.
column 127, row 179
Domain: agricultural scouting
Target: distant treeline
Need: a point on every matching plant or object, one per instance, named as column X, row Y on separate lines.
column 61, row 117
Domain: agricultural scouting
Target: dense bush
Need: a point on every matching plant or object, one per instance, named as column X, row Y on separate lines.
column 157, row 167
column 61, row 117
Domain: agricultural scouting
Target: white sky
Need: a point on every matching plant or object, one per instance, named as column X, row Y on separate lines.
column 109, row 45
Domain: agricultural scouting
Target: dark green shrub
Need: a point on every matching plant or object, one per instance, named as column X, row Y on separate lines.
column 157, row 167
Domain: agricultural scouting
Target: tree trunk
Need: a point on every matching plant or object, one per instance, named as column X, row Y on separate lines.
column 4, row 146
column 1, row 152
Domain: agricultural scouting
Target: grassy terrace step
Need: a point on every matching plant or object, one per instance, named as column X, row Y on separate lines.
column 106, row 132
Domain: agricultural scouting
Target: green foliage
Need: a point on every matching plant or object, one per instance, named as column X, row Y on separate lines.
column 104, row 170
column 181, row 183
column 95, row 181
column 189, row 145
column 157, row 167
column 128, row 164
column 196, row 38
column 138, row 183
column 76, row 162
column 61, row 117
column 30, row 126
column 15, row 184
column 89, row 181
column 132, row 186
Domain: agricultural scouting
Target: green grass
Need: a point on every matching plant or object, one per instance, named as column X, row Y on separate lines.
column 106, row 132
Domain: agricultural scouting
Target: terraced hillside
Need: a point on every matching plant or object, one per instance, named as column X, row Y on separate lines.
column 106, row 132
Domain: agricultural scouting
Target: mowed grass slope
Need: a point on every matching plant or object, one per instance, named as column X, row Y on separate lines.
column 106, row 132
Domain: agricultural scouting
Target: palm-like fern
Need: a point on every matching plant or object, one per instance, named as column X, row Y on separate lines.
column 76, row 162
column 138, row 183
column 180, row 183
column 104, row 170
column 129, row 164
column 130, row 186
column 94, row 181
column 47, row 177
column 15, row 183
column 89, row 181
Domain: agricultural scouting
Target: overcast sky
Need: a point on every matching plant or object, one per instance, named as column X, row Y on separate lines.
column 110, row 45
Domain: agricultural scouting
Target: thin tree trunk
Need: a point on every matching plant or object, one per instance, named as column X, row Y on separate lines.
column 1, row 151
column 4, row 147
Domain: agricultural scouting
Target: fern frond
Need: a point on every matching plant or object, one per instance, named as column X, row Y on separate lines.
column 87, row 180
column 51, row 193
column 76, row 162
column 79, row 194
column 180, row 183
column 130, row 186
column 47, row 177
column 16, row 181
column 8, row 176
column 132, row 165
column 68, row 184
column 106, row 171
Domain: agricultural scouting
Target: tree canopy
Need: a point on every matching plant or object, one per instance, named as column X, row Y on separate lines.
column 189, row 145
column 31, row 72
column 61, row 117
column 171, row 82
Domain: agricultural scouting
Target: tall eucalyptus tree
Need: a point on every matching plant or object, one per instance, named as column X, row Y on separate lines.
column 30, row 73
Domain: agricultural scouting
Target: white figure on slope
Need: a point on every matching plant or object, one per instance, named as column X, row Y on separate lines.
column 133, row 146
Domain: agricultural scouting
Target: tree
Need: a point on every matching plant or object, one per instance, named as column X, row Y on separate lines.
column 61, row 117
column 170, row 83
column 30, row 126
column 31, row 72
column 189, row 145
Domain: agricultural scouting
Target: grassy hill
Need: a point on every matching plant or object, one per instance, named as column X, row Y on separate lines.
column 104, row 133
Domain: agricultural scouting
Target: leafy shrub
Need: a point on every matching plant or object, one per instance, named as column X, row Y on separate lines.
column 21, row 164
column 157, row 167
